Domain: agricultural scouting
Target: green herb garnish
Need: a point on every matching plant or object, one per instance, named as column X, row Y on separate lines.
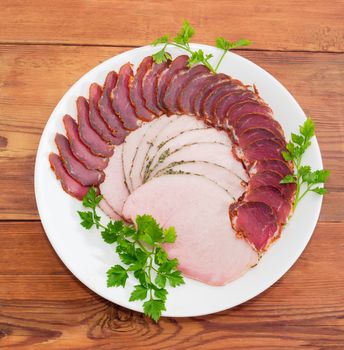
column 142, row 254
column 305, row 179
column 182, row 40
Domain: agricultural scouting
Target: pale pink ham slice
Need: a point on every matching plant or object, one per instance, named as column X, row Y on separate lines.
column 113, row 188
column 206, row 245
column 106, row 208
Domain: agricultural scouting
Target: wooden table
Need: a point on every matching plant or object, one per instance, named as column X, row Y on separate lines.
column 47, row 45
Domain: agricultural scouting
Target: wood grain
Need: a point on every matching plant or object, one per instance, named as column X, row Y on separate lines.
column 271, row 25
column 41, row 75
column 44, row 307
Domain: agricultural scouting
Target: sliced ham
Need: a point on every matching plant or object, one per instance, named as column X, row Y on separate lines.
column 114, row 189
column 256, row 222
column 79, row 150
column 96, row 121
column 277, row 165
column 150, row 86
column 136, row 91
column 76, row 169
column 88, row 136
column 70, row 186
column 204, row 235
column 107, row 113
column 106, row 208
column 176, row 85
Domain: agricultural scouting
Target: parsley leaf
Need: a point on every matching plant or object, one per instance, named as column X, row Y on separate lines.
column 139, row 293
column 153, row 308
column 116, row 276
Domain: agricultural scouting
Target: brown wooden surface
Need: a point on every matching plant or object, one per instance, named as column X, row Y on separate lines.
column 44, row 47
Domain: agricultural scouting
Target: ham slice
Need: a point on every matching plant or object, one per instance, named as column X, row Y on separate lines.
column 106, row 208
column 204, row 235
column 88, row 136
column 108, row 114
column 114, row 189
column 76, row 169
column 79, row 150
column 70, row 186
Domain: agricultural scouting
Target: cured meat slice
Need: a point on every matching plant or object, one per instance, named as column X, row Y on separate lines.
column 176, row 85
column 272, row 178
column 273, row 198
column 225, row 178
column 113, row 189
column 208, row 135
column 121, row 101
column 255, row 221
column 106, row 208
column 276, row 165
column 197, row 208
column 76, row 169
column 154, row 128
column 211, row 84
column 186, row 98
column 70, row 186
column 108, row 114
column 256, row 134
column 262, row 150
column 88, row 136
column 96, row 121
column 130, row 148
column 136, row 92
column 150, row 86
column 177, row 65
column 80, row 151
column 210, row 152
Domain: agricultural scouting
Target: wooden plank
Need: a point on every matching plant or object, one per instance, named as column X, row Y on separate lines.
column 271, row 25
column 48, row 311
column 41, row 74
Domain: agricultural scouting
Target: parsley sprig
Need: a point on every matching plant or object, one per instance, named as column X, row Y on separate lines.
column 141, row 251
column 305, row 179
column 182, row 39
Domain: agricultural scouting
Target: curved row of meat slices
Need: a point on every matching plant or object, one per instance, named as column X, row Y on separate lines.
column 186, row 146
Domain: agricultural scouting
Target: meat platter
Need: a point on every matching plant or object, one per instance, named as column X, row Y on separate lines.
column 197, row 150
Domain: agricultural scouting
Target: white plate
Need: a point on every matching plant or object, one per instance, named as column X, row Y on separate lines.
column 88, row 257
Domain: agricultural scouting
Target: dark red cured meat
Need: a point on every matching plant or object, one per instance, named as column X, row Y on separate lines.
column 210, row 102
column 121, row 103
column 188, row 93
column 224, row 103
column 88, row 136
column 277, row 165
column 176, row 85
column 69, row 185
column 177, row 65
column 249, row 106
column 80, row 151
column 211, row 84
column 256, row 222
column 273, row 198
column 108, row 114
column 76, row 169
column 255, row 134
column 96, row 121
column 136, row 92
column 272, row 178
column 263, row 149
column 150, row 85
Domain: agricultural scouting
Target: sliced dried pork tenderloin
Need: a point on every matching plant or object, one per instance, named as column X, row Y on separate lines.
column 79, row 150
column 121, row 103
column 108, row 114
column 198, row 209
column 255, row 134
column 88, row 136
column 176, row 85
column 69, row 185
column 177, row 65
column 276, row 165
column 262, row 150
column 113, row 188
column 150, row 86
column 136, row 91
column 256, row 222
column 76, row 169
column 96, row 121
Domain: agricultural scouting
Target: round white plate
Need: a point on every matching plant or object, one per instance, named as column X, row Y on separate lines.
column 88, row 257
